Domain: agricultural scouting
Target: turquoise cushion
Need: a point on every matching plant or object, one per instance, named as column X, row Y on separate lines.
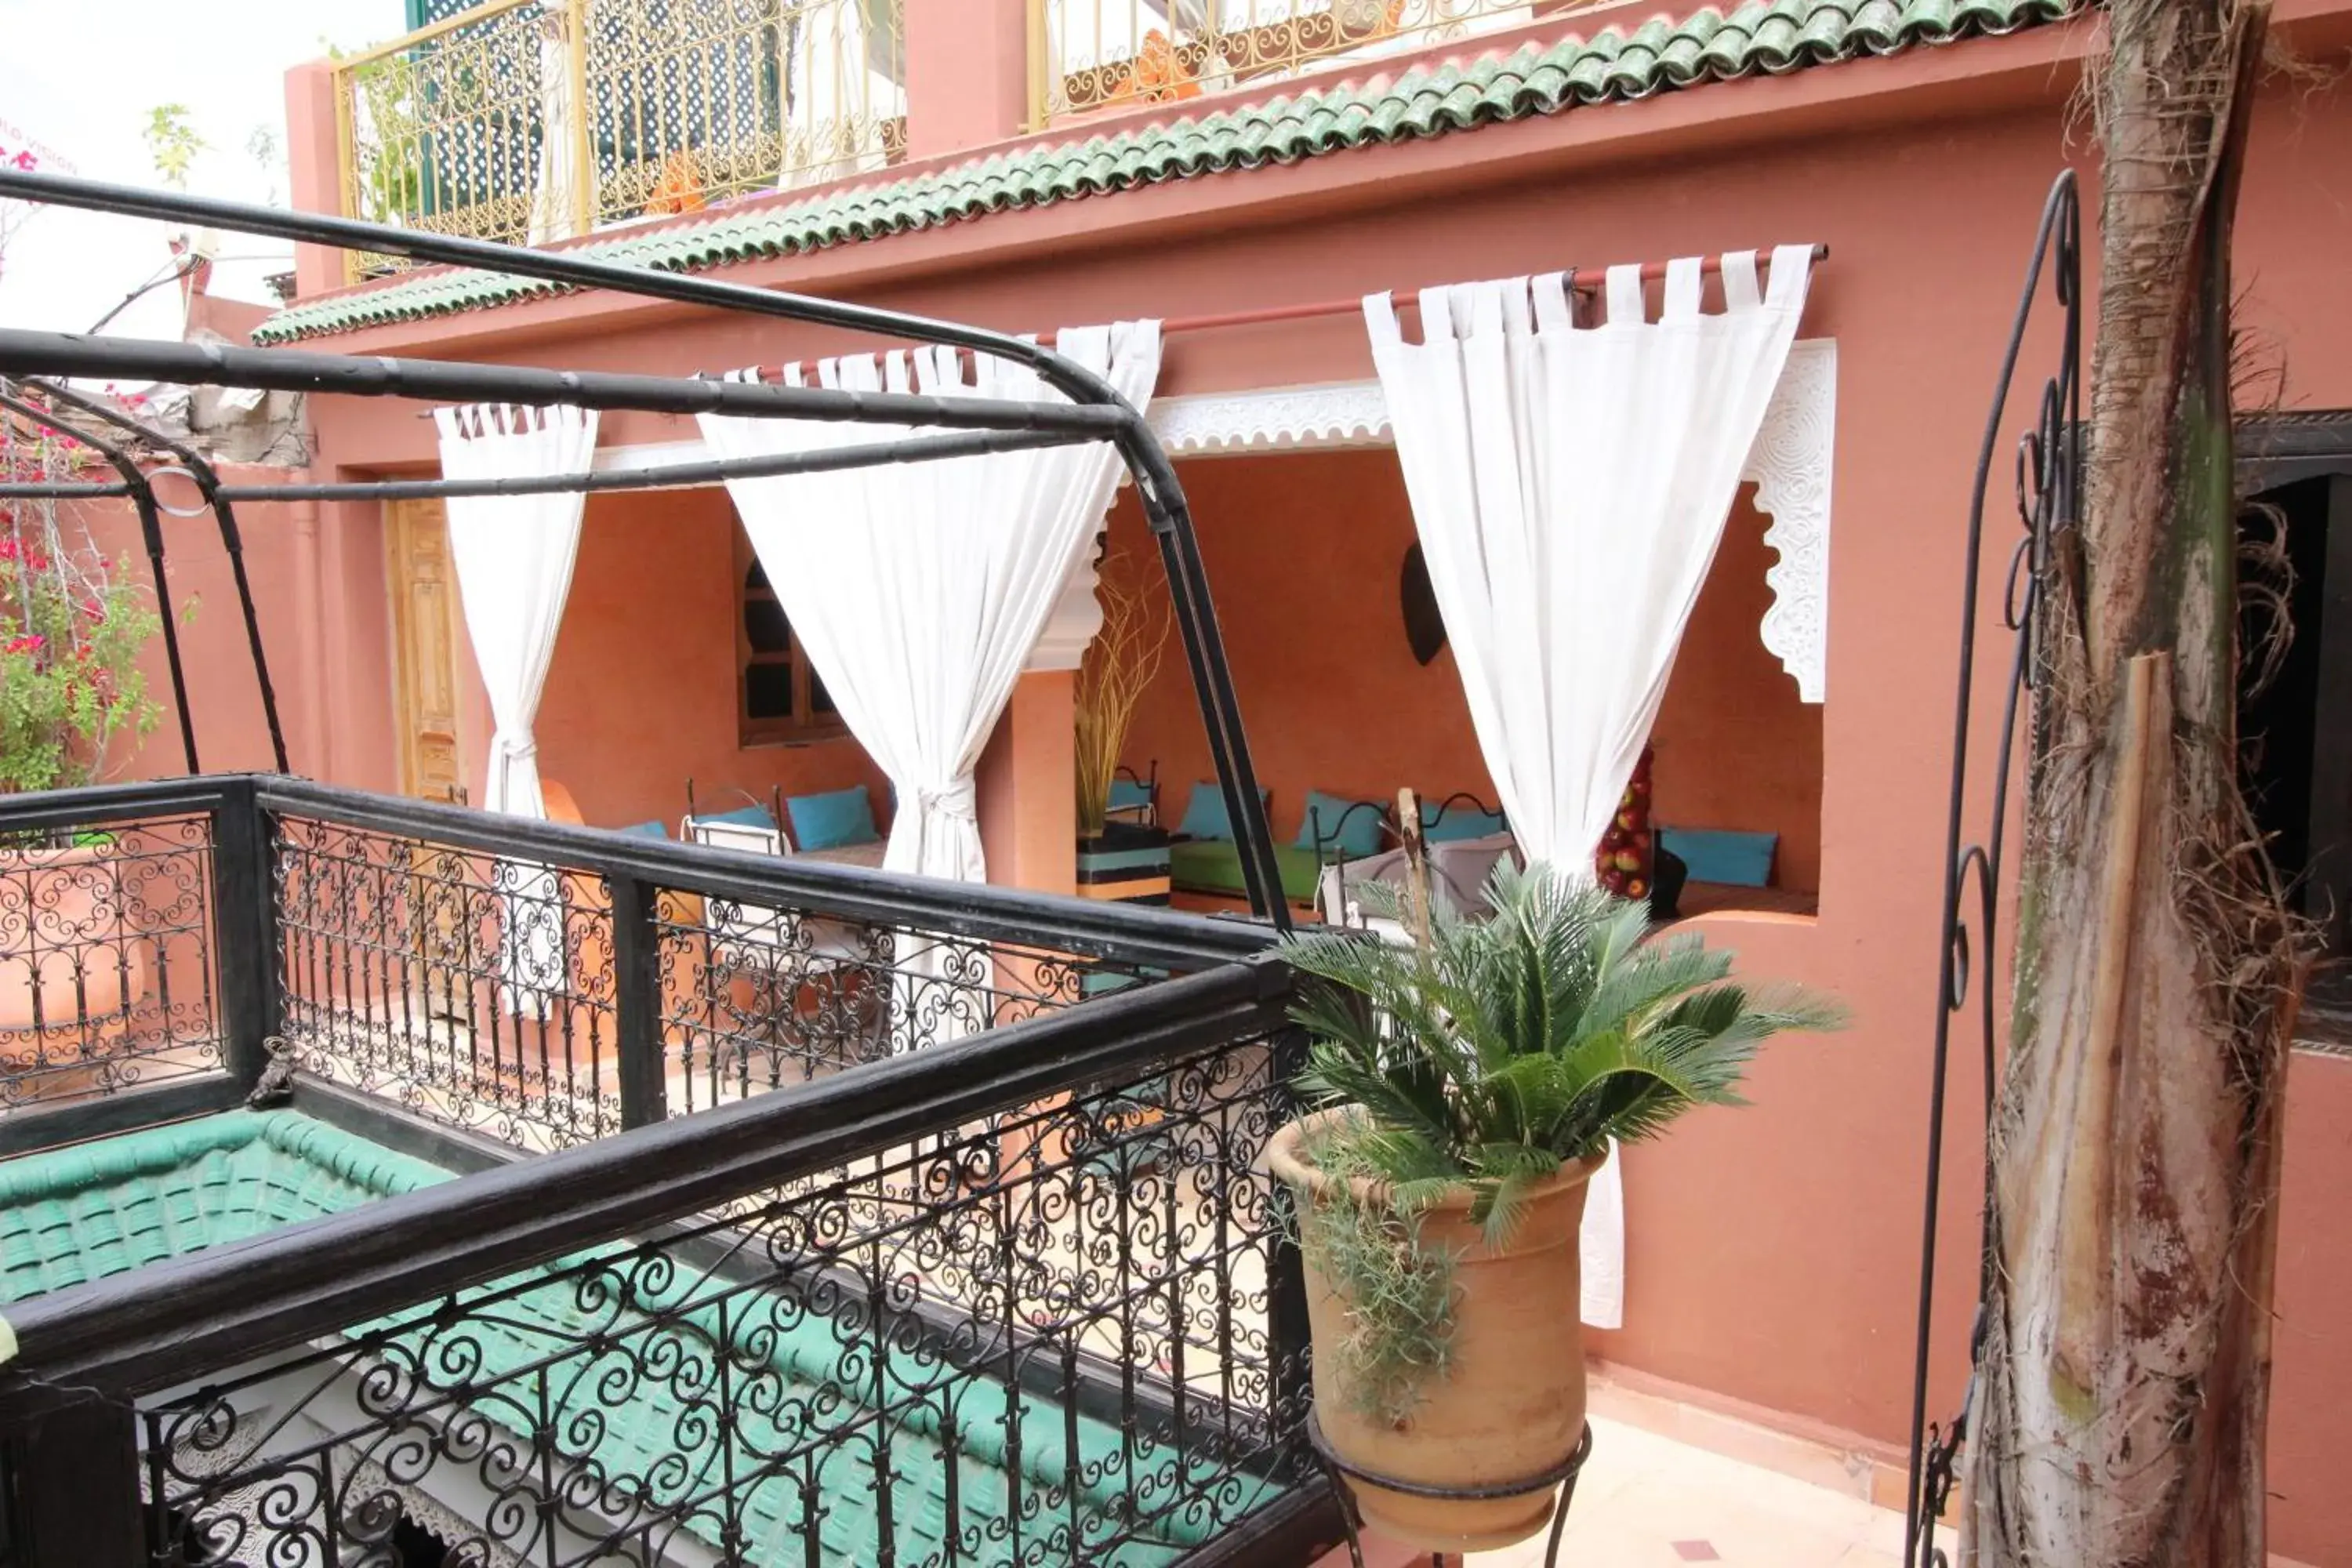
column 648, row 830
column 742, row 816
column 1354, row 836
column 1128, row 794
column 1459, row 821
column 832, row 820
column 1717, row 855
column 1204, row 814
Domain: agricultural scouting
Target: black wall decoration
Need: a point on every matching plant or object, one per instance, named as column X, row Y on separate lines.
column 1424, row 628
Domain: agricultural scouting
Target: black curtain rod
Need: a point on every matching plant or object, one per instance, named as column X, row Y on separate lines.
column 26, row 353
column 1156, row 482
column 715, row 471
column 62, row 490
column 151, row 528
column 920, row 449
column 207, row 479
column 564, row 266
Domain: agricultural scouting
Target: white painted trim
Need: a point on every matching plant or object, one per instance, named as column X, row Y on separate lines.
column 1791, row 463
column 1273, row 418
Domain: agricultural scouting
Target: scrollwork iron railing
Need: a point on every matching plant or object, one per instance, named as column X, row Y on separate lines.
column 437, row 965
column 1093, row 55
column 1041, row 1335
column 106, row 959
column 530, row 121
column 117, row 908
column 2049, row 468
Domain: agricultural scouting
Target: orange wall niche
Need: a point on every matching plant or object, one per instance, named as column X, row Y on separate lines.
column 1304, row 553
column 642, row 694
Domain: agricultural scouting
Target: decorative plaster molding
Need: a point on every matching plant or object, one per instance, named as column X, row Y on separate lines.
column 1790, row 463
column 1335, row 413
column 433, row 1515
column 1077, row 618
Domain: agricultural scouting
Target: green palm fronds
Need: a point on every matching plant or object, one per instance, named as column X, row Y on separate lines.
column 1510, row 1044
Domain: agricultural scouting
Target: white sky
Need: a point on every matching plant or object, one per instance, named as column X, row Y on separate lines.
column 81, row 77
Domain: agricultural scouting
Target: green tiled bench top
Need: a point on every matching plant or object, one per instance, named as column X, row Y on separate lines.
column 70, row 1215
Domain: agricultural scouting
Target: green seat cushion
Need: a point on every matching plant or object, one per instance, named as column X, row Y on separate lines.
column 1214, row 866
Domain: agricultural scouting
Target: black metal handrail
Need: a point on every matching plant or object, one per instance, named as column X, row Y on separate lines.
column 123, row 1336
column 979, row 909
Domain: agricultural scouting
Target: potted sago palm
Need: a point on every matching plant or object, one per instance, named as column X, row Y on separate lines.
column 71, row 630
column 1469, row 1085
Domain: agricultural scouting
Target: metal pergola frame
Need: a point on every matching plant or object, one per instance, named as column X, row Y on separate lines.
column 1096, row 412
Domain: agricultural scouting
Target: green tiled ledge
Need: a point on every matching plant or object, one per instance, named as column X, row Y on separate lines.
column 1659, row 55
column 71, row 1216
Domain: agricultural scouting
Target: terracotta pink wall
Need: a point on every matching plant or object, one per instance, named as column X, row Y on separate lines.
column 1303, row 551
column 318, row 594
column 1773, row 1249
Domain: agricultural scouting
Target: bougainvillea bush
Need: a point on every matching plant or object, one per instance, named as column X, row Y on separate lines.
column 71, row 630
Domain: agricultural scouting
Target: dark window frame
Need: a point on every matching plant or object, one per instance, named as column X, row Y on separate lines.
column 804, row 725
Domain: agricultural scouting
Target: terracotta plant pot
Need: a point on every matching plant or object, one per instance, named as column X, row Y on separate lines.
column 1511, row 1404
column 65, row 941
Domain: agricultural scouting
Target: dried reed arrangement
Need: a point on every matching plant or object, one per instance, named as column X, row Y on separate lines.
column 1119, row 665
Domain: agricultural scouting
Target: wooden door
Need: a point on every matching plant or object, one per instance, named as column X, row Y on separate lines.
column 423, row 587
column 424, row 631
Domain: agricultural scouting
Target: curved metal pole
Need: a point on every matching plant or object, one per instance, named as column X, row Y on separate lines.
column 151, row 526
column 207, row 483
column 567, row 266
column 64, row 489
column 27, row 354
column 1147, row 461
column 2048, row 466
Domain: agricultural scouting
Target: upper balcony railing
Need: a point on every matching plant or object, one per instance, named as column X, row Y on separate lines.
column 532, row 121
column 1091, row 55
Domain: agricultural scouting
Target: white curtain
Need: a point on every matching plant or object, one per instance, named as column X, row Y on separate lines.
column 919, row 589
column 554, row 215
column 513, row 557
column 1569, row 485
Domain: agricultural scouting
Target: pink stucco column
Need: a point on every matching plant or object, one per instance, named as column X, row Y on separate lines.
column 1027, row 784
column 967, row 74
column 314, row 170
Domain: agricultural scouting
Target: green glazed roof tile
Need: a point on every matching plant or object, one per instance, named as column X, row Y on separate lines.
column 1657, row 56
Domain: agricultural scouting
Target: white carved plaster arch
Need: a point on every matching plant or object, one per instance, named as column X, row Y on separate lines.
column 1791, row 465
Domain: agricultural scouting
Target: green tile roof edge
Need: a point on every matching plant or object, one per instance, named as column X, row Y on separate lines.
column 62, row 1172
column 1429, row 100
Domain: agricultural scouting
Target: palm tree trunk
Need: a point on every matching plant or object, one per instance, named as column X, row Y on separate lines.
column 2125, row 1368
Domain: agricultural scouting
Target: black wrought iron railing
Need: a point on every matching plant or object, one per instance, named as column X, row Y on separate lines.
column 746, row 1210
column 534, row 983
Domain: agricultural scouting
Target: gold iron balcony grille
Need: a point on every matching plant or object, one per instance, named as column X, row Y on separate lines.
column 532, row 121
column 1111, row 54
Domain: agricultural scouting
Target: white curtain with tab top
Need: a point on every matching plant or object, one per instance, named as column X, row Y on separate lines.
column 1569, row 484
column 513, row 558
column 919, row 589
